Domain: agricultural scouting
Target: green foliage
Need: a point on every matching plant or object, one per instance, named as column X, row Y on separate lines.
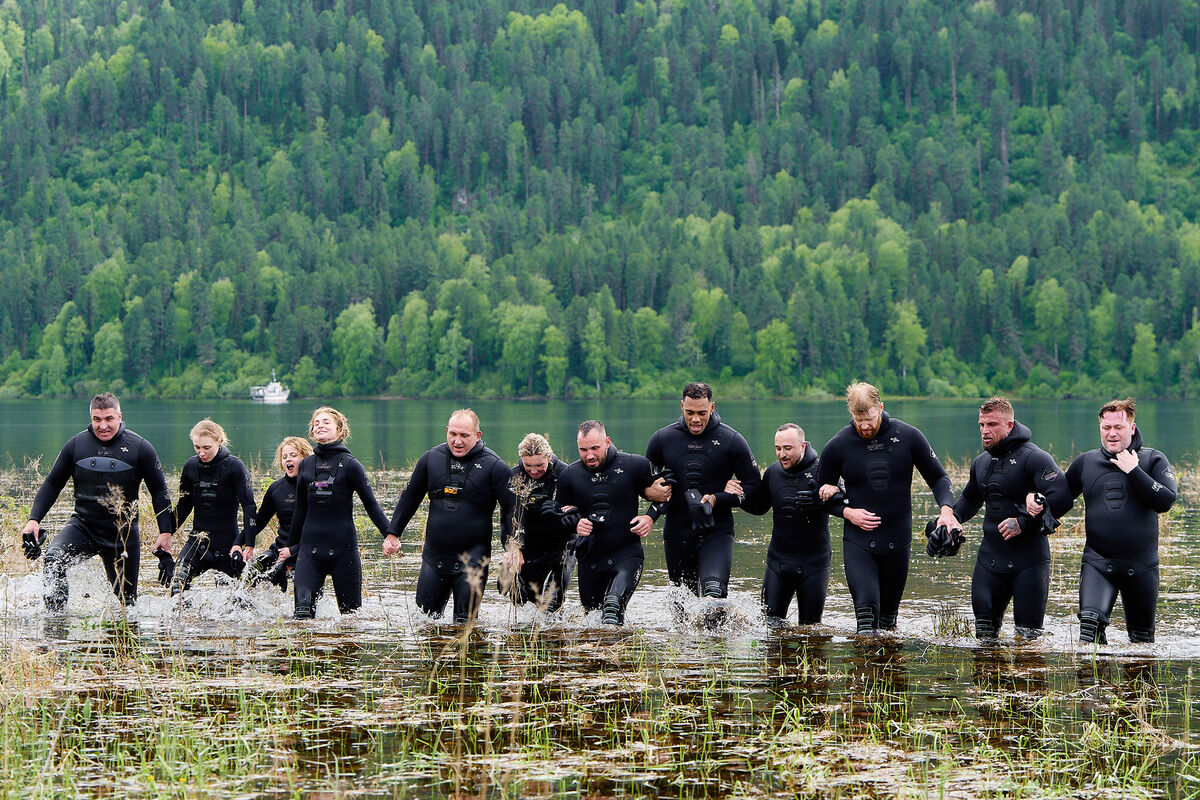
column 571, row 200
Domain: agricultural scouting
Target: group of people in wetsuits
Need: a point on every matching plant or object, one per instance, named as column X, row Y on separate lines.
column 587, row 518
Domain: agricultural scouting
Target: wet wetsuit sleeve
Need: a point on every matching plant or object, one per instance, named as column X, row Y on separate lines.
column 971, row 499
column 829, row 471
column 150, row 468
column 54, row 483
column 265, row 512
column 1075, row 477
column 758, row 498
column 363, row 488
column 245, row 495
column 745, row 470
column 505, row 497
column 564, row 495
column 301, row 512
column 1051, row 482
column 1156, row 487
column 931, row 470
column 187, row 488
column 654, row 451
column 410, row 498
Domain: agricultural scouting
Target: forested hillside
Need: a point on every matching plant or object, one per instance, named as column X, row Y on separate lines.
column 494, row 199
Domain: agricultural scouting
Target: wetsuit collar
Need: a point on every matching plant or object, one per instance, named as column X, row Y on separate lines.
column 1135, row 444
column 713, row 421
column 1018, row 436
column 474, row 451
column 327, row 450
column 810, row 455
column 119, row 434
column 222, row 454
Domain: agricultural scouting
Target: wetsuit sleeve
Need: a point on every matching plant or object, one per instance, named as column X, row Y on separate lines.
column 410, row 498
column 150, row 468
column 654, row 452
column 1075, row 477
column 746, row 471
column 758, row 498
column 187, row 488
column 265, row 512
column 363, row 488
column 932, row 470
column 245, row 495
column 829, row 468
column 564, row 495
column 505, row 497
column 54, row 483
column 1156, row 487
column 971, row 499
column 1051, row 482
column 301, row 512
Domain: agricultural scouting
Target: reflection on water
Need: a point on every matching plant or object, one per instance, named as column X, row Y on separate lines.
column 224, row 695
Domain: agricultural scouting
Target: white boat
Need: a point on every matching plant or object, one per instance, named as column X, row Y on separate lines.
column 274, row 392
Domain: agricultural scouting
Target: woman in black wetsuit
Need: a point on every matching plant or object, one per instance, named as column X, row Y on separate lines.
column 536, row 564
column 213, row 484
column 322, row 531
column 279, row 501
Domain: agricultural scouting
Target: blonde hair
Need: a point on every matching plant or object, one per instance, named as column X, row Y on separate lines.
column 862, row 397
column 534, row 444
column 339, row 420
column 302, row 447
column 209, row 430
column 465, row 412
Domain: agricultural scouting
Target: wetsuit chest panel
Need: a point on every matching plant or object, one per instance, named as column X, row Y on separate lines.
column 322, row 489
column 787, row 493
column 879, row 472
column 697, row 463
column 1114, row 492
column 96, row 476
column 601, row 496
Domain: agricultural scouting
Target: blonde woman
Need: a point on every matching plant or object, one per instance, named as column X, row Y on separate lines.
column 323, row 536
column 279, row 501
column 213, row 485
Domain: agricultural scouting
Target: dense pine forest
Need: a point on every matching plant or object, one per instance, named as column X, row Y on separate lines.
column 469, row 197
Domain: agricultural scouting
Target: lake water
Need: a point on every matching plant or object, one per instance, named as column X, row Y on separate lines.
column 226, row 696
column 393, row 433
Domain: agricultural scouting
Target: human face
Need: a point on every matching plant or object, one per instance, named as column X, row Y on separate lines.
column 324, row 428
column 105, row 423
column 206, row 447
column 696, row 413
column 994, row 428
column 867, row 424
column 291, row 458
column 593, row 447
column 789, row 447
column 535, row 466
column 1116, row 431
column 461, row 435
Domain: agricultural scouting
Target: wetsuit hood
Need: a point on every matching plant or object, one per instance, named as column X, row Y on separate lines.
column 810, row 457
column 331, row 448
column 1134, row 444
column 1019, row 435
column 117, row 435
column 713, row 421
column 222, row 454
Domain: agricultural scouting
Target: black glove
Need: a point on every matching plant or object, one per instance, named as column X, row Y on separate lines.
column 667, row 474
column 278, row 575
column 942, row 542
column 808, row 498
column 166, row 566
column 580, row 545
column 238, row 561
column 702, row 518
column 32, row 544
column 1049, row 521
column 265, row 560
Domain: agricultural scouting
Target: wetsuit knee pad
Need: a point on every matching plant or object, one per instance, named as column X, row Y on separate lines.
column 1141, row 637
column 612, row 613
column 713, row 588
column 887, row 622
column 865, row 619
column 1091, row 626
column 986, row 628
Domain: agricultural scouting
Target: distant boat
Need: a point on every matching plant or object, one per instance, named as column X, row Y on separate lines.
column 274, row 392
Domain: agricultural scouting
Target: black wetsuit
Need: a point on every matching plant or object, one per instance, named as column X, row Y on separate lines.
column 1120, row 552
column 878, row 478
column 214, row 490
column 1017, row 569
column 545, row 540
column 463, row 493
column 611, row 556
column 701, row 558
column 278, row 501
column 799, row 553
column 323, row 535
column 105, row 474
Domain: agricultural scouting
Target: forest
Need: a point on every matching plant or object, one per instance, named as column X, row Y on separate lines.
column 487, row 199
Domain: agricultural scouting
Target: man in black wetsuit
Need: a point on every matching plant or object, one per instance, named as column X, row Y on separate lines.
column 465, row 481
column 875, row 456
column 107, row 463
column 536, row 561
column 702, row 453
column 799, row 553
column 1015, row 482
column 600, row 495
column 1125, row 486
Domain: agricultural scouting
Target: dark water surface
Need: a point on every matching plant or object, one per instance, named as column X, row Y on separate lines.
column 226, row 696
column 393, row 433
